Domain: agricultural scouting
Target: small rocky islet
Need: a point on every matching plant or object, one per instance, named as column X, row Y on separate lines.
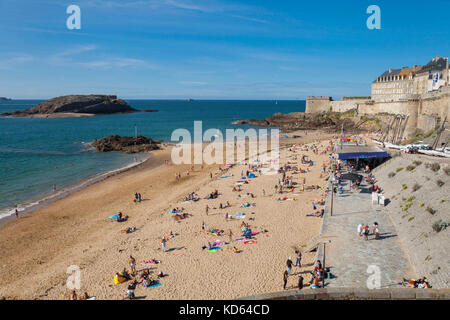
column 76, row 106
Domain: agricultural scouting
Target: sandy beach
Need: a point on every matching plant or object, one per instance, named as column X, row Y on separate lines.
column 37, row 249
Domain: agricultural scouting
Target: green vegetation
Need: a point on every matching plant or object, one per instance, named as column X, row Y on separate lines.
column 435, row 167
column 447, row 171
column 422, row 205
column 405, row 187
column 416, row 187
column 440, row 225
column 391, row 174
column 399, row 169
column 430, row 210
column 410, row 168
column 440, row 183
column 417, row 162
column 411, row 219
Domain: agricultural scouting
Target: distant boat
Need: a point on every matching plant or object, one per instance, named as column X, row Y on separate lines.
column 276, row 102
column 189, row 100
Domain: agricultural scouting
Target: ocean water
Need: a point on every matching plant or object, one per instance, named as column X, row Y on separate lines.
column 37, row 153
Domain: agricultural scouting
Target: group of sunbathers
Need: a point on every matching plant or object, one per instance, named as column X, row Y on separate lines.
column 121, row 218
column 192, row 197
column 213, row 195
column 421, row 283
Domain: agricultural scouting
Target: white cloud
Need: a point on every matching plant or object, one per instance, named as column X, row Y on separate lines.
column 14, row 60
column 194, row 83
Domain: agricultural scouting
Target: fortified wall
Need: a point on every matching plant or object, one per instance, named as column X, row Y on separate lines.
column 425, row 111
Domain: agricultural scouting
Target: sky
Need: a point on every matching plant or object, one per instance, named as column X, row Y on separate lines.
column 213, row 49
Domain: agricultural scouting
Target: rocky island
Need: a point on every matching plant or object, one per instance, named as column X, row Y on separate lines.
column 4, row 99
column 77, row 106
column 126, row 144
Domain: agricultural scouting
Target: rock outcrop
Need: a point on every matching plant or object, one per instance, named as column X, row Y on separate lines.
column 78, row 104
column 4, row 99
column 324, row 120
column 126, row 144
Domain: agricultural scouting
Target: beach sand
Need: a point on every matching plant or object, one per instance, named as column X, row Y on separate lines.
column 37, row 249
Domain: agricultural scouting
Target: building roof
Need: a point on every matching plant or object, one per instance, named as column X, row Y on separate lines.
column 436, row 64
column 391, row 72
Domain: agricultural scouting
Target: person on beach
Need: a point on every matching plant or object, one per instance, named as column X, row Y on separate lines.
column 375, row 230
column 17, row 213
column 206, row 209
column 300, row 282
column 132, row 264
column 285, row 279
column 230, row 235
column 359, row 230
column 366, row 232
column 298, row 261
column 203, row 226
column 73, row 295
column 289, row 265
column 163, row 244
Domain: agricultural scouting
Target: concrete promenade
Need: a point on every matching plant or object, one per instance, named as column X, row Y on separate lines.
column 349, row 256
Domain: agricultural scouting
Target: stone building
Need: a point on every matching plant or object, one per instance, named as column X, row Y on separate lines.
column 409, row 82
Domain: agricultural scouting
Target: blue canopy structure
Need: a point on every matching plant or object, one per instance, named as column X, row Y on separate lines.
column 354, row 151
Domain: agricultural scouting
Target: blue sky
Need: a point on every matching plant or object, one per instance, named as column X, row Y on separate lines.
column 212, row 49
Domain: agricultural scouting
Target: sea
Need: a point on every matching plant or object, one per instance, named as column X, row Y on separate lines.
column 36, row 153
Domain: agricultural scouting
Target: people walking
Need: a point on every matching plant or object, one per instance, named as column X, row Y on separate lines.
column 289, row 265
column 298, row 261
column 285, row 279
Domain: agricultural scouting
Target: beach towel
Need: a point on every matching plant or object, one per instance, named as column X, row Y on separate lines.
column 119, row 279
column 250, row 242
column 155, row 285
column 177, row 254
column 217, row 244
column 178, row 211
column 240, row 239
column 212, row 250
column 148, row 262
column 223, row 177
column 114, row 216
column 255, row 233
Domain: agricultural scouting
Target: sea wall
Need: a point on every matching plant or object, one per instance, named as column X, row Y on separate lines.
column 425, row 111
column 355, row 294
column 418, row 198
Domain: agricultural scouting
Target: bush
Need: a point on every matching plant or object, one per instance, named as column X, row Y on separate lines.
column 410, row 199
column 411, row 219
column 447, row 170
column 416, row 187
column 422, row 205
column 440, row 225
column 417, row 163
column 430, row 210
column 405, row 187
column 410, row 168
column 440, row 183
column 399, row 169
column 435, row 167
column 391, row 174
